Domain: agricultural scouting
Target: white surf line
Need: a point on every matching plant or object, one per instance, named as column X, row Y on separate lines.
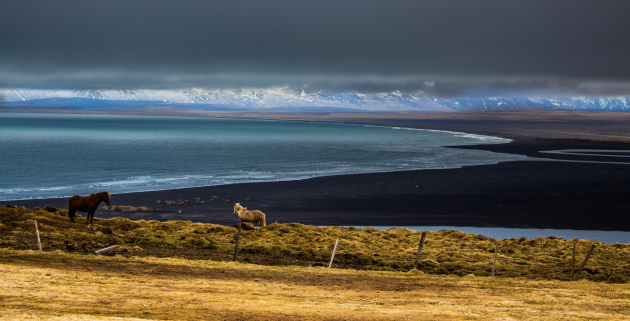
column 582, row 152
column 578, row 161
column 589, row 152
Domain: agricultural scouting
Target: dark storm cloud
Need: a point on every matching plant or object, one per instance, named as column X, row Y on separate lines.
column 466, row 45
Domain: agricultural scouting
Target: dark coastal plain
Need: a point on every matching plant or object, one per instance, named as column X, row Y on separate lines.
column 548, row 191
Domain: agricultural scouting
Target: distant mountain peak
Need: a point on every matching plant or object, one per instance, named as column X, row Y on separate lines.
column 304, row 96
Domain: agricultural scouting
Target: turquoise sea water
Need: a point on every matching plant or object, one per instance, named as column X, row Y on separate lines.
column 58, row 155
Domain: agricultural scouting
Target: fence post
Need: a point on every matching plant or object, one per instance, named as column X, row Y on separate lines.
column 39, row 243
column 415, row 265
column 494, row 264
column 577, row 275
column 238, row 238
column 573, row 262
column 333, row 255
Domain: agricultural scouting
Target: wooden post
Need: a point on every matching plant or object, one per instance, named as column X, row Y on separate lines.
column 577, row 275
column 573, row 262
column 39, row 243
column 415, row 265
column 333, row 255
column 494, row 264
column 238, row 238
column 105, row 250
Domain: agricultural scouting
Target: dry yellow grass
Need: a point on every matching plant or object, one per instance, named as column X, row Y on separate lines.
column 64, row 286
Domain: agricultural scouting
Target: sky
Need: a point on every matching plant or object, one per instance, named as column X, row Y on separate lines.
column 459, row 47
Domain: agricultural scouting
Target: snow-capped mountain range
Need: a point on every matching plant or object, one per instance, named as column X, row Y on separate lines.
column 301, row 96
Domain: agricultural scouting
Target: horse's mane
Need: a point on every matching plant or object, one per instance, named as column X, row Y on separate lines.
column 108, row 194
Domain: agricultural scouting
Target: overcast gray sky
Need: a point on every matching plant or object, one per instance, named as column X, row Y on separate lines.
column 469, row 45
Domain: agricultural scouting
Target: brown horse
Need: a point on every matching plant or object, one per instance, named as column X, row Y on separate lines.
column 87, row 204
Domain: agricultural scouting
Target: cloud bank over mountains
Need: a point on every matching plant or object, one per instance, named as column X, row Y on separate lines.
column 303, row 97
column 468, row 48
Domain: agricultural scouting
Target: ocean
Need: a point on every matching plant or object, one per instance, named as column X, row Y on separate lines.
column 59, row 155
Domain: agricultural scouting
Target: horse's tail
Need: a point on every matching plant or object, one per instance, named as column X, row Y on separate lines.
column 264, row 221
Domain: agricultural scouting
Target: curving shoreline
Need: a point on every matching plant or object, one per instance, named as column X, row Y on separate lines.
column 537, row 194
column 166, row 153
column 541, row 194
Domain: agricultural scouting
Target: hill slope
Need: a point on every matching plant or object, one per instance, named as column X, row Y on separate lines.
column 444, row 253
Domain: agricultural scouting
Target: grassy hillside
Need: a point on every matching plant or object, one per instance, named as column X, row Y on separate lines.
column 71, row 286
column 451, row 253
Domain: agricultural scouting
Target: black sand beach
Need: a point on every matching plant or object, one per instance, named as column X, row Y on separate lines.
column 524, row 194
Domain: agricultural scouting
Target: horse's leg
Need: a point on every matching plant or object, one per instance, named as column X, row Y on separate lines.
column 71, row 214
column 92, row 215
column 89, row 217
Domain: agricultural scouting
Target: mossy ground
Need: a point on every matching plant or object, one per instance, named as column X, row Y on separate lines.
column 445, row 252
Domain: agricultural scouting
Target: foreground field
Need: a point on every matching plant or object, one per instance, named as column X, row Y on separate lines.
column 445, row 252
column 65, row 286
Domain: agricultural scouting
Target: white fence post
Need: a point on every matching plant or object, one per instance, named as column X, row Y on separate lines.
column 105, row 250
column 333, row 255
column 39, row 243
